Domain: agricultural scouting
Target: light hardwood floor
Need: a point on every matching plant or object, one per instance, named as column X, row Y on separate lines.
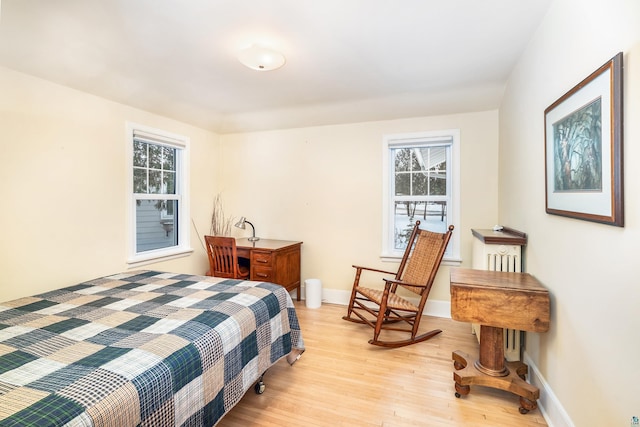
column 341, row 380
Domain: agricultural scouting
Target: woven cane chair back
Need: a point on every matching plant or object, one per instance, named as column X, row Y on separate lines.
column 421, row 266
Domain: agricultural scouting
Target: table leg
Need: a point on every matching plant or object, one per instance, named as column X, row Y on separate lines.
column 491, row 360
column 490, row 370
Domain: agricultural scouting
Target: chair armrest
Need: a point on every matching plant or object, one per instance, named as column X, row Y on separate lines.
column 373, row 269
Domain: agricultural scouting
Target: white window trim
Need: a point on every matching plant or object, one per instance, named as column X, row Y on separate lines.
column 453, row 214
column 182, row 182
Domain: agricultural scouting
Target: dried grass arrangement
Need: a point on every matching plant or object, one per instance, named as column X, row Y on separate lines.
column 220, row 225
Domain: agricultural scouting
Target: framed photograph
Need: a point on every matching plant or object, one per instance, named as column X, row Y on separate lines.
column 583, row 149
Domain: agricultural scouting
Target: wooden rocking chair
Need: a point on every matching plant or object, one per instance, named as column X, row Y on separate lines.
column 382, row 309
column 223, row 258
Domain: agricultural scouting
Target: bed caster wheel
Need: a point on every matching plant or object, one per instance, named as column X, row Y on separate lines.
column 523, row 410
column 260, row 387
column 457, row 395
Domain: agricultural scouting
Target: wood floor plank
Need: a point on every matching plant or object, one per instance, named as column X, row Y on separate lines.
column 341, row 380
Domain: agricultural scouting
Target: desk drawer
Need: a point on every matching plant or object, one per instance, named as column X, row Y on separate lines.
column 261, row 259
column 262, row 274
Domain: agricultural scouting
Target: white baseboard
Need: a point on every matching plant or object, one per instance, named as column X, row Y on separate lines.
column 334, row 296
column 438, row 308
column 341, row 297
column 550, row 407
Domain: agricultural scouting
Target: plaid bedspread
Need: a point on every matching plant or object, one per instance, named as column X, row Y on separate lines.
column 141, row 348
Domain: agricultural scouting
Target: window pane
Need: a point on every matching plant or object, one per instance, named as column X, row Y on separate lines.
column 432, row 216
column 139, row 154
column 438, row 173
column 416, row 160
column 155, row 156
column 155, row 182
column 152, row 230
column 169, row 159
column 402, row 159
column 139, row 180
column 438, row 185
column 419, row 184
column 403, row 184
column 169, row 183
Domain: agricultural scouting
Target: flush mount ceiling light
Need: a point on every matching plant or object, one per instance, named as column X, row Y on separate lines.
column 261, row 58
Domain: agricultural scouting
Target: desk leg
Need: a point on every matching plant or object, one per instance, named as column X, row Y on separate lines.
column 490, row 370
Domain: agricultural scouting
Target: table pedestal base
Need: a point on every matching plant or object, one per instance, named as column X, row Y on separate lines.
column 512, row 379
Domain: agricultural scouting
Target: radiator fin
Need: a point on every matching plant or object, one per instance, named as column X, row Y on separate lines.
column 497, row 262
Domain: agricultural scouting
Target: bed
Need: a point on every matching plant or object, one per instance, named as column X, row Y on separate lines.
column 143, row 348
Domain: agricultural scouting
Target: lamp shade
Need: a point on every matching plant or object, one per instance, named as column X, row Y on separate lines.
column 240, row 224
column 261, row 58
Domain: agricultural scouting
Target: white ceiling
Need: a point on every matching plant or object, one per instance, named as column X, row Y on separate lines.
column 347, row 60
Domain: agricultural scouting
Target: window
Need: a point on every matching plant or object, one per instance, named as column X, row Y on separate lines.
column 420, row 182
column 158, row 214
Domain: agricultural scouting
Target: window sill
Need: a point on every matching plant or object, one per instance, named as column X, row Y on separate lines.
column 158, row 256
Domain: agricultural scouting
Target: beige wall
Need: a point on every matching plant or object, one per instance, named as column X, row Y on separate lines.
column 64, row 181
column 323, row 185
column 590, row 356
column 65, row 184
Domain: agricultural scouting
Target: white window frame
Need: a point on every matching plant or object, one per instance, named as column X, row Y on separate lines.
column 452, row 256
column 181, row 144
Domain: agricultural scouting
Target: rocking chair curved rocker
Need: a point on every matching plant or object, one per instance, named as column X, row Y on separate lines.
column 383, row 308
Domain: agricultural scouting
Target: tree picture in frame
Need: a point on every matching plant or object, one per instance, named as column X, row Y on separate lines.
column 583, row 149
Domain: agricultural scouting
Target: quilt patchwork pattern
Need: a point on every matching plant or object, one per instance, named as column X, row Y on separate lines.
column 142, row 348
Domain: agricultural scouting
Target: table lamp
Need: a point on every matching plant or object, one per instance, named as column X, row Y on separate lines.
column 240, row 224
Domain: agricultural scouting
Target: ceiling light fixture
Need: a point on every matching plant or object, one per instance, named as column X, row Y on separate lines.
column 261, row 58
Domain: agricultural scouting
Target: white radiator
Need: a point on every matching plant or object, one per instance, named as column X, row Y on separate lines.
column 491, row 253
column 503, row 262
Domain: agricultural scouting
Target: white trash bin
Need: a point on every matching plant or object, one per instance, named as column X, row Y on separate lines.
column 313, row 293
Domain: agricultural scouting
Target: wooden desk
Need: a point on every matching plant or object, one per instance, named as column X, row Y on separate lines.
column 275, row 261
column 497, row 300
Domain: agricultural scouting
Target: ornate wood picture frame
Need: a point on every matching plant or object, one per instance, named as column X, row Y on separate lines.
column 583, row 149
